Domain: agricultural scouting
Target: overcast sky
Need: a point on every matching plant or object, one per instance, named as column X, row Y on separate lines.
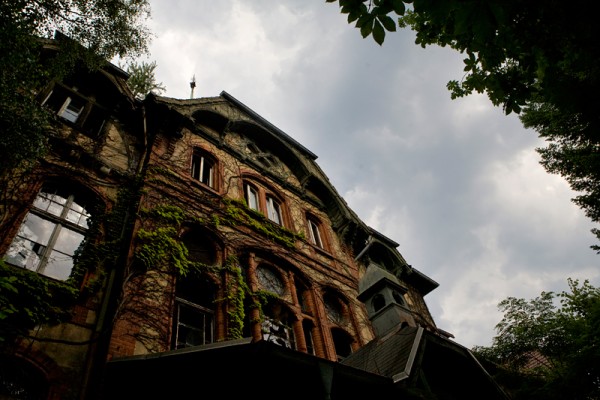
column 456, row 182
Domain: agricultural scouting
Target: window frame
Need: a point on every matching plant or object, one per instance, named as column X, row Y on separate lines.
column 90, row 119
column 57, row 218
column 314, row 232
column 208, row 324
column 268, row 203
column 274, row 210
column 251, row 192
column 198, row 168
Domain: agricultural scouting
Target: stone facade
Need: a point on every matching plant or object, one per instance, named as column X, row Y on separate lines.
column 205, row 223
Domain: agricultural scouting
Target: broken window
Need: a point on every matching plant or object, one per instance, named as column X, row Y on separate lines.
column 194, row 317
column 194, row 314
column 193, row 324
column 78, row 110
column 277, row 325
column 336, row 310
column 343, row 343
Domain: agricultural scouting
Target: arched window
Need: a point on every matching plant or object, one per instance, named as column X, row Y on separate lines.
column 203, row 168
column 270, row 280
column 336, row 310
column 19, row 379
column 398, row 298
column 316, row 234
column 274, row 210
column 51, row 232
column 378, row 302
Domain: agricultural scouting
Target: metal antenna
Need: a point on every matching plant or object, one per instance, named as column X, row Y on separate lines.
column 192, row 86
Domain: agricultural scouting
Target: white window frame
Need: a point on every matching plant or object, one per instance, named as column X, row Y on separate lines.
column 252, row 197
column 45, row 256
column 274, row 210
column 315, row 233
column 67, row 112
column 203, row 169
column 205, row 328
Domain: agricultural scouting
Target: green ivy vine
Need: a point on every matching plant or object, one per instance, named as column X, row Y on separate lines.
column 236, row 212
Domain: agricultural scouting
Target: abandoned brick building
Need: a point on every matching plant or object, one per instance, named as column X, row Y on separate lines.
column 210, row 254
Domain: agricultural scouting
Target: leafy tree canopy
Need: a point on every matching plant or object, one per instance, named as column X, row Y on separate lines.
column 549, row 347
column 100, row 30
column 538, row 58
column 142, row 79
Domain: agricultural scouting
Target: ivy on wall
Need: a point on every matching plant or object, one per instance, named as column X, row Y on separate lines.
column 28, row 299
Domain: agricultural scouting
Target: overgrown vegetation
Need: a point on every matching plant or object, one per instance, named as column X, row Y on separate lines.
column 545, row 351
column 28, row 300
column 99, row 30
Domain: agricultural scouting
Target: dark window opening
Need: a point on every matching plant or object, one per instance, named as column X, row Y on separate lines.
column 21, row 380
column 307, row 327
column 343, row 343
column 193, row 320
column 378, row 302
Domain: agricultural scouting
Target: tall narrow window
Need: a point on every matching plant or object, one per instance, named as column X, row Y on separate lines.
column 252, row 197
column 314, row 233
column 307, row 327
column 203, row 169
column 50, row 234
column 194, row 319
column 273, row 210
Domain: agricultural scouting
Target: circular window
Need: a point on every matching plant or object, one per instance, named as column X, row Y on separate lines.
column 269, row 280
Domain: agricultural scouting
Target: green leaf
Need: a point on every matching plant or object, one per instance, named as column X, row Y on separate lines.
column 387, row 22
column 378, row 32
column 398, row 7
column 366, row 28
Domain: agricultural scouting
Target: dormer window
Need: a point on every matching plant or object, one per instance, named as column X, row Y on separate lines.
column 76, row 109
column 203, row 168
column 71, row 109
